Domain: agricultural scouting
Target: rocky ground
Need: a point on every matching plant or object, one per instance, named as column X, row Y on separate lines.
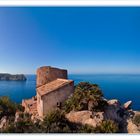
column 122, row 114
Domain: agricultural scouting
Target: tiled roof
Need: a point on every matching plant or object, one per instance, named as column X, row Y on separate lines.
column 54, row 85
column 32, row 105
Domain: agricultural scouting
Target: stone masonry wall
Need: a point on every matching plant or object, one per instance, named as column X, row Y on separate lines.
column 60, row 95
column 47, row 74
column 39, row 105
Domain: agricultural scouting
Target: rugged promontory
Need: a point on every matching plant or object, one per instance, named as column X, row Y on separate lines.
column 10, row 77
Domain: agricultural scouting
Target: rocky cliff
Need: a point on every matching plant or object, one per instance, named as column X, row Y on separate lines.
column 123, row 115
column 9, row 77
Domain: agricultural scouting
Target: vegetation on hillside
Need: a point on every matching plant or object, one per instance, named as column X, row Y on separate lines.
column 107, row 126
column 23, row 125
column 8, row 108
column 56, row 122
column 86, row 97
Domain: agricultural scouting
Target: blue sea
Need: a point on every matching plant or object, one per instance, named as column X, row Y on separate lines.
column 121, row 87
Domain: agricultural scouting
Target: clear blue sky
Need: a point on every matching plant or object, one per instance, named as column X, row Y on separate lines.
column 82, row 40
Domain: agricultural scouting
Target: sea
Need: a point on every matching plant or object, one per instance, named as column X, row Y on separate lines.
column 123, row 87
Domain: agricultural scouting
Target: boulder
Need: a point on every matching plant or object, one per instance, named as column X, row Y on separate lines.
column 127, row 105
column 113, row 110
column 85, row 117
column 90, row 122
column 114, row 102
column 79, row 116
column 3, row 122
column 131, row 127
column 111, row 113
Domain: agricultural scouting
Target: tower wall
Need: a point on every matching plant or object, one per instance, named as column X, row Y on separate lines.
column 47, row 74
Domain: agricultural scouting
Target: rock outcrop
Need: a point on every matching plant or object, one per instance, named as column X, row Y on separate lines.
column 114, row 111
column 127, row 105
column 9, row 77
column 132, row 128
column 122, row 114
column 3, row 122
column 85, row 117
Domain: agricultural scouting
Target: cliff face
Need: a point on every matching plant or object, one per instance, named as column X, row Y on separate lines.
column 127, row 119
column 9, row 77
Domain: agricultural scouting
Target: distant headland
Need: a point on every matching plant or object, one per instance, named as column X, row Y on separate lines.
column 10, row 77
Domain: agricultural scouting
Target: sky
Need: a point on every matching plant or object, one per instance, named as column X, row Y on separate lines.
column 83, row 40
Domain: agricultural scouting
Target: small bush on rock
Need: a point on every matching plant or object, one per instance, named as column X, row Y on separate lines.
column 55, row 122
column 87, row 129
column 107, row 126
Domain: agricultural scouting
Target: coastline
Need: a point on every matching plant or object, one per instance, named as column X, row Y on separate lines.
column 120, row 88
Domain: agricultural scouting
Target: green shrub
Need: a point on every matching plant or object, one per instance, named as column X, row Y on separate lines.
column 136, row 119
column 23, row 125
column 107, row 126
column 87, row 129
column 9, row 129
column 55, row 122
column 83, row 94
column 7, row 107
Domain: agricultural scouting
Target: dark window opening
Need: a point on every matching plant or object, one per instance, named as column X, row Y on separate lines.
column 59, row 104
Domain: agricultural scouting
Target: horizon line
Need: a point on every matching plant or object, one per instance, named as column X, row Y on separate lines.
column 95, row 73
column 79, row 73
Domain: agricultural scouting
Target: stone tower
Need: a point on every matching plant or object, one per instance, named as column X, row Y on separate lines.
column 47, row 74
column 52, row 89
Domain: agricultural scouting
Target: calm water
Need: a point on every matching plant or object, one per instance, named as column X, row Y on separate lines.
column 122, row 87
